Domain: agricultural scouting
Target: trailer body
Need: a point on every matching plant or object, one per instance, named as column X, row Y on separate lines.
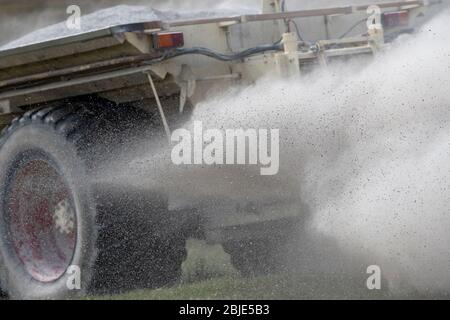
column 164, row 68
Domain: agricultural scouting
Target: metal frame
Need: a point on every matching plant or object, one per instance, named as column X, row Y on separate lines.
column 122, row 66
column 300, row 14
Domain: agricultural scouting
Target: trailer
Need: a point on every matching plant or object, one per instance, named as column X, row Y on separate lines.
column 70, row 105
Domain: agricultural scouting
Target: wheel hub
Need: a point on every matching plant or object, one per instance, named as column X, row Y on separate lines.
column 42, row 220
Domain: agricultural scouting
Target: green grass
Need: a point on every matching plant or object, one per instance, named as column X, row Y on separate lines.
column 273, row 287
column 206, row 262
column 208, row 274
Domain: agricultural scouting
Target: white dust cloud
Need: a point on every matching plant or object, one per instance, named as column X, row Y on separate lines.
column 369, row 146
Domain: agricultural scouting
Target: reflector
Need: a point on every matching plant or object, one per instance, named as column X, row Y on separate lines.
column 395, row 19
column 167, row 40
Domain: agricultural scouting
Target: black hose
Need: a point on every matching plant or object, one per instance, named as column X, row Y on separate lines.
column 217, row 55
column 297, row 30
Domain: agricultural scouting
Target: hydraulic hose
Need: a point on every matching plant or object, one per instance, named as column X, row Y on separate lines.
column 217, row 55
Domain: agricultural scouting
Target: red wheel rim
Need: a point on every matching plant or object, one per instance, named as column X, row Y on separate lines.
column 42, row 220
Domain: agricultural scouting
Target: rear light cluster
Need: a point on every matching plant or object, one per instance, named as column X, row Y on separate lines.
column 395, row 19
column 168, row 40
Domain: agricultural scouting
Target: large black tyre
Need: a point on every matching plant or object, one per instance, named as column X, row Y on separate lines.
column 53, row 217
